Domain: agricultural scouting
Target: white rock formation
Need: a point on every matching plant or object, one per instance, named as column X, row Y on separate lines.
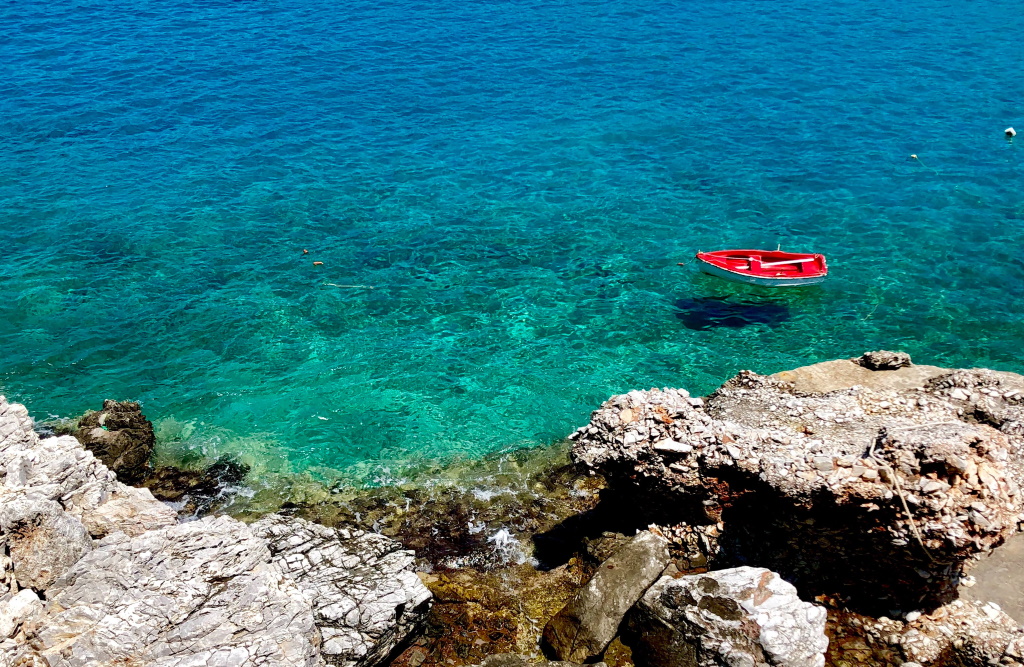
column 199, row 593
column 125, row 584
column 741, row 616
column 61, row 470
column 365, row 596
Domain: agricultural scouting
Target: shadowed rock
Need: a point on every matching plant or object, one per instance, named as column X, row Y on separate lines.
column 582, row 630
column 516, row 660
column 881, row 496
column 121, row 437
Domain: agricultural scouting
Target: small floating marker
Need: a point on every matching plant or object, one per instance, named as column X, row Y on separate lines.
column 1010, row 132
column 318, row 263
column 305, row 252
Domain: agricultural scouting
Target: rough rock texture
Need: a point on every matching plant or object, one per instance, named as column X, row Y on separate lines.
column 200, row 593
column 154, row 592
column 884, row 360
column 962, row 633
column 54, row 494
column 881, row 495
column 42, row 539
column 121, row 437
column 743, row 616
column 18, row 609
column 366, row 597
column 582, row 630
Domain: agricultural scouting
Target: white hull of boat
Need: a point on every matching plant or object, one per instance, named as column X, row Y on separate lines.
column 713, row 270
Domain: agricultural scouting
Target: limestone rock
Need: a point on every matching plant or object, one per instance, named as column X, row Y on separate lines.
column 742, row 616
column 854, row 492
column 130, row 510
column 61, row 470
column 583, row 629
column 22, row 607
column 121, row 437
column 884, row 360
column 366, row 598
column 43, row 539
column 199, row 593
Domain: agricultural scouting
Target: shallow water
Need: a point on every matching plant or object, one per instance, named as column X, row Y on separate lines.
column 499, row 194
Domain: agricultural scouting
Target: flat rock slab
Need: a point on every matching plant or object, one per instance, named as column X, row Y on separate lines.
column 582, row 630
column 999, row 578
column 844, row 373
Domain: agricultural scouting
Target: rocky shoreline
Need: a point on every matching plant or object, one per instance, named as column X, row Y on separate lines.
column 833, row 514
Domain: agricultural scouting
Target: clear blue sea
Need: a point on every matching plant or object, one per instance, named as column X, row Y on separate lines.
column 499, row 193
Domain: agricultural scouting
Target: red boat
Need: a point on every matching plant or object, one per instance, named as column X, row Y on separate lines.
column 768, row 268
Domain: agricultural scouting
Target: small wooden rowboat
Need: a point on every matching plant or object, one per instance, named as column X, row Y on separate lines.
column 768, row 268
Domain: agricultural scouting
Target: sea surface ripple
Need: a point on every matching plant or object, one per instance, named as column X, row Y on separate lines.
column 499, row 192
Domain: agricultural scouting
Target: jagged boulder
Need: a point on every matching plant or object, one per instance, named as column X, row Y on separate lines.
column 43, row 540
column 121, row 437
column 882, row 495
column 743, row 616
column 18, row 609
column 582, row 630
column 366, row 598
column 883, row 360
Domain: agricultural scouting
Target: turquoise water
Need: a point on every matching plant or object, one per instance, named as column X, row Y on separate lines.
column 515, row 181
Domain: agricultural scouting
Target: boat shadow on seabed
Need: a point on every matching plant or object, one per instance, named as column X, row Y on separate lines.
column 718, row 304
column 703, row 313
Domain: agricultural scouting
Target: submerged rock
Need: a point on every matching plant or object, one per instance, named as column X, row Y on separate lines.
column 743, row 616
column 582, row 630
column 121, row 437
column 855, row 491
column 197, row 492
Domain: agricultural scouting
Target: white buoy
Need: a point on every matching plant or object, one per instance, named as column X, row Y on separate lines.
column 1010, row 132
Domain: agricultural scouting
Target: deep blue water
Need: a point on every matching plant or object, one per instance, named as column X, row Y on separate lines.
column 515, row 181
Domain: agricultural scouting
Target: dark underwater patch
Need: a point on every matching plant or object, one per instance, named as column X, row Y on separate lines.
column 709, row 312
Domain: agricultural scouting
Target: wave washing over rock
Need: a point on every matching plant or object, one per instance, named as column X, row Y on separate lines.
column 830, row 515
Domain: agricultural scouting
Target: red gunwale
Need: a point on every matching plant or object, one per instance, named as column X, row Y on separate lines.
column 752, row 263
